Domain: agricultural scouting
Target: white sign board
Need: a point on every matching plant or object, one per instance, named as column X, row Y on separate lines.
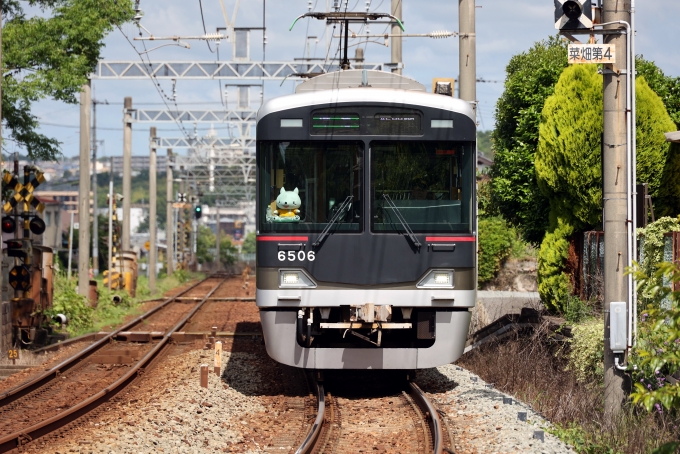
column 592, row 53
column 76, row 225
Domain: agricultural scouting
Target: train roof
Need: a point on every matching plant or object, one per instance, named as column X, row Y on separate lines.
column 339, row 89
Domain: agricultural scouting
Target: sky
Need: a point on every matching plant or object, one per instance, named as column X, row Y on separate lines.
column 504, row 28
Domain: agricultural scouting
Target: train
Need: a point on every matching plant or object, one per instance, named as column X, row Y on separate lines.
column 366, row 223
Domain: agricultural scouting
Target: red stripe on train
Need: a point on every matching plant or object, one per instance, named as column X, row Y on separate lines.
column 462, row 239
column 282, row 238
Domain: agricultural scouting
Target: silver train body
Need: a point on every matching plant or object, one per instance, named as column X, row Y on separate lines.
column 366, row 254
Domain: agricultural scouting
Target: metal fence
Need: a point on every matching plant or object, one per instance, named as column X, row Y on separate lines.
column 592, row 265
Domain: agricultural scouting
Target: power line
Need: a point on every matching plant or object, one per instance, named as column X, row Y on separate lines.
column 200, row 4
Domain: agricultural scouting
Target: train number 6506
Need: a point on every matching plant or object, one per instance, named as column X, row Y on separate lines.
column 291, row 256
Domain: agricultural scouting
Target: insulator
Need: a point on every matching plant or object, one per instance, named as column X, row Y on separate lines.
column 212, row 36
column 309, row 5
column 440, row 34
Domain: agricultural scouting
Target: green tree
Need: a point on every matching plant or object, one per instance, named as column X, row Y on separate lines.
column 249, row 244
column 531, row 78
column 228, row 251
column 205, row 244
column 568, row 164
column 485, row 142
column 668, row 88
column 49, row 55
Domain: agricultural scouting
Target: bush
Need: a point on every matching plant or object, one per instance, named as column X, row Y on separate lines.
column 67, row 301
column 495, row 244
column 554, row 285
column 586, row 351
column 652, row 242
column 657, row 353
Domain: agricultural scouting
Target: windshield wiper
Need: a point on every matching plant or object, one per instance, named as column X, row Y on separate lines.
column 404, row 224
column 344, row 206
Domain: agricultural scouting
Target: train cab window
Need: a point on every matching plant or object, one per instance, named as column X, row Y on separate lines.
column 303, row 184
column 429, row 183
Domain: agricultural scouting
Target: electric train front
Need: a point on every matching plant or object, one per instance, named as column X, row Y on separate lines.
column 366, row 244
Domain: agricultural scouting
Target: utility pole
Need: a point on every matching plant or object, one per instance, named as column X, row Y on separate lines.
column 181, row 245
column 127, row 170
column 217, row 235
column 467, row 53
column 84, row 194
column 110, row 262
column 1, row 72
column 169, row 222
column 152, row 210
column 95, row 220
column 396, row 40
column 614, row 165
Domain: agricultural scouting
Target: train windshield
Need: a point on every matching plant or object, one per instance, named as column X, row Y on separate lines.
column 428, row 183
column 304, row 184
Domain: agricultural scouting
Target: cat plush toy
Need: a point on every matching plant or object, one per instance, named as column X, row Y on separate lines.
column 287, row 204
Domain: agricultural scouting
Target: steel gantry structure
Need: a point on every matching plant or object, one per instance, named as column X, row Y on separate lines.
column 222, row 70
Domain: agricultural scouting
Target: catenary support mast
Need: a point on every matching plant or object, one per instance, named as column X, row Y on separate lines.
column 127, row 171
column 467, row 53
column 152, row 210
column 396, row 40
column 84, row 193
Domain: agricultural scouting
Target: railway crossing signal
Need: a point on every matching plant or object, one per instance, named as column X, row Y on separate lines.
column 8, row 224
column 15, row 248
column 23, row 193
column 573, row 14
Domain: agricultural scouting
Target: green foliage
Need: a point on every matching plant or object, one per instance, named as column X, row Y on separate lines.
column 486, row 206
column 50, row 55
column 671, row 447
column 657, row 353
column 568, row 155
column 206, row 247
column 575, row 310
column 68, row 302
column 583, row 441
column 249, row 244
column 586, row 350
column 652, row 253
column 652, row 121
column 485, row 142
column 667, row 87
column 568, row 165
column 531, row 78
column 668, row 201
column 554, row 286
column 495, row 243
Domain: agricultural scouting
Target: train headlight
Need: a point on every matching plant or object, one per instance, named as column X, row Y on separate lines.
column 291, row 277
column 442, row 278
column 437, row 279
column 295, row 278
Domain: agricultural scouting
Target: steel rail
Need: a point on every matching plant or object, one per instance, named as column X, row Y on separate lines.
column 309, row 443
column 17, row 439
column 38, row 382
column 431, row 415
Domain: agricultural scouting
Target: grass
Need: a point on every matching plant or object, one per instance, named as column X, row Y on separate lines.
column 532, row 368
column 85, row 320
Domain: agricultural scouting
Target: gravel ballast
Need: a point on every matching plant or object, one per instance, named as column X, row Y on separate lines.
column 482, row 419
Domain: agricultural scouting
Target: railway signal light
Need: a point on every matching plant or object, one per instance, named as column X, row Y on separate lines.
column 198, row 211
column 8, row 224
column 15, row 248
column 573, row 14
column 36, row 225
column 20, row 277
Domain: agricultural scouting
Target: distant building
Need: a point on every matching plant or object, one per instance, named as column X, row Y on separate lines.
column 139, row 163
column 483, row 162
column 68, row 202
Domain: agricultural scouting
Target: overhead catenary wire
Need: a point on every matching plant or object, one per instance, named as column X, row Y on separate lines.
column 200, row 4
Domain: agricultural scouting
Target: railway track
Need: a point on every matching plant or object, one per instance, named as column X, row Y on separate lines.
column 402, row 419
column 86, row 380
